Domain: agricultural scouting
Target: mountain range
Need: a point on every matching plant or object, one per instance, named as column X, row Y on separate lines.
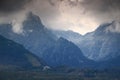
column 97, row 49
column 99, row 45
column 43, row 43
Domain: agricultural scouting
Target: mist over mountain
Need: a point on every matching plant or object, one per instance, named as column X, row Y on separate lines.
column 34, row 37
column 60, row 40
column 97, row 49
column 43, row 43
column 102, row 44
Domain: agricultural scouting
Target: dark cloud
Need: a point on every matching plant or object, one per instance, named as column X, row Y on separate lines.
column 7, row 6
column 101, row 5
column 51, row 2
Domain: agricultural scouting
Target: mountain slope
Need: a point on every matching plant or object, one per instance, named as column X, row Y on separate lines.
column 104, row 43
column 65, row 53
column 16, row 56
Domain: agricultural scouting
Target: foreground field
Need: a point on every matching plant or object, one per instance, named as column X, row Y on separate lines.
column 80, row 75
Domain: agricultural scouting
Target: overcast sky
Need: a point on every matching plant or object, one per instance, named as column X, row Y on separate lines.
column 81, row 16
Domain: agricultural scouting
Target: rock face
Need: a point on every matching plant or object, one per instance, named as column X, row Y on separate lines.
column 14, row 55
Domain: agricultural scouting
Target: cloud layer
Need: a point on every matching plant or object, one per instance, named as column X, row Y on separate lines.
column 78, row 15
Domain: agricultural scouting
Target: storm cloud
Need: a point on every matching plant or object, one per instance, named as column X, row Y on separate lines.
column 102, row 5
column 78, row 15
column 103, row 9
column 7, row 6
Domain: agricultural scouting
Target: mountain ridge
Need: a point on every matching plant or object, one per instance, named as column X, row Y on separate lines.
column 14, row 54
column 101, row 44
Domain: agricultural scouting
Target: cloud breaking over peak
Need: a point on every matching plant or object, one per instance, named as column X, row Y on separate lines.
column 78, row 15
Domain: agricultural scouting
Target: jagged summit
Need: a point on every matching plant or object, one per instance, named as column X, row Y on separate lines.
column 32, row 16
column 112, row 27
column 33, row 22
column 30, row 24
